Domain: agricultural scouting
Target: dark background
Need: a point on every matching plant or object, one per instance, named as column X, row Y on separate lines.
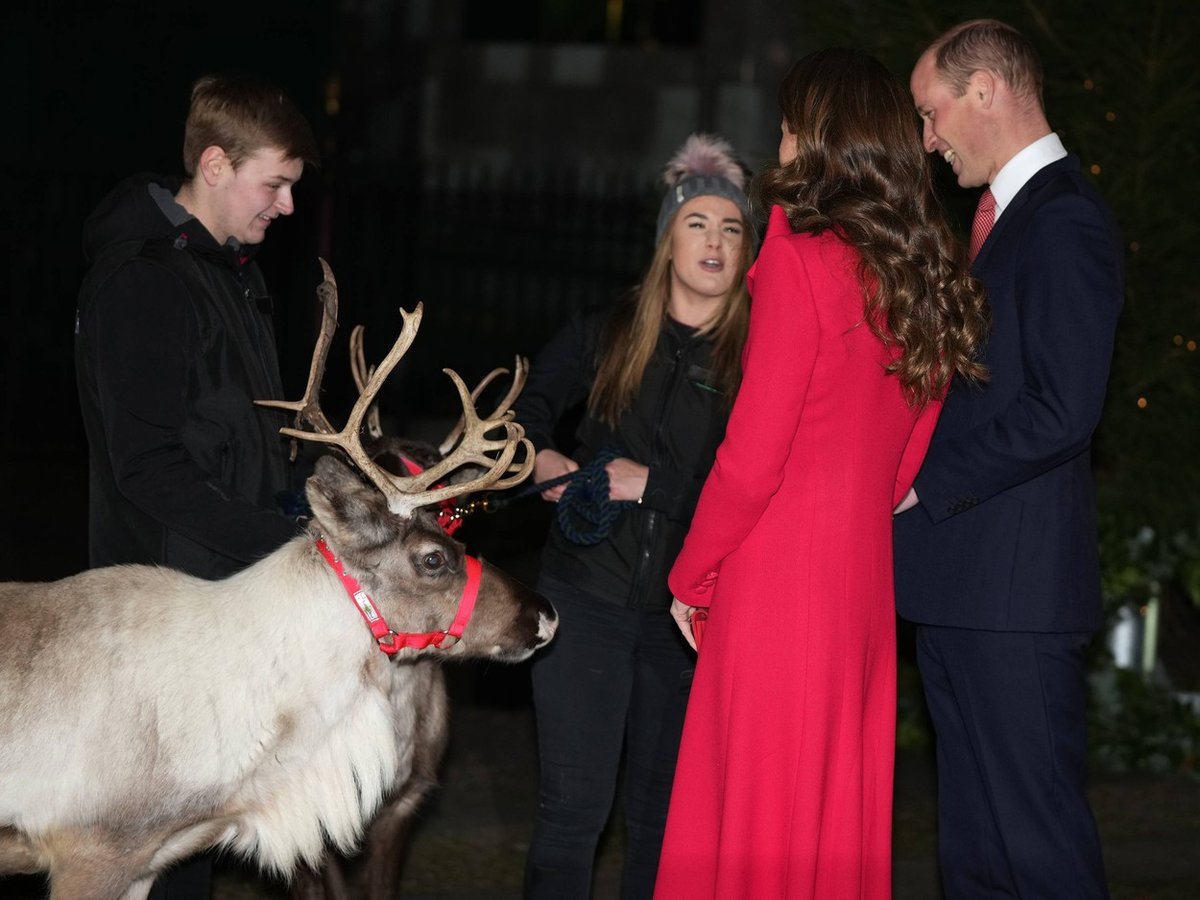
column 448, row 177
column 498, row 162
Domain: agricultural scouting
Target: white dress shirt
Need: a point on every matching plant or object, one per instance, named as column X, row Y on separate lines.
column 1018, row 170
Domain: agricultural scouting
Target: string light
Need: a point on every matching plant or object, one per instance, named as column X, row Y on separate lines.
column 1142, row 402
column 1094, row 168
column 333, row 95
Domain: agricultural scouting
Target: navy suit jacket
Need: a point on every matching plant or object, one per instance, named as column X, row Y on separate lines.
column 1004, row 537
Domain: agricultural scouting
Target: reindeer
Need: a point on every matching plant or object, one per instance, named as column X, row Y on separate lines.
column 146, row 715
column 420, row 699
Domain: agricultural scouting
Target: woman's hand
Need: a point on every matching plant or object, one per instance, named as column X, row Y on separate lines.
column 682, row 614
column 550, row 464
column 626, row 479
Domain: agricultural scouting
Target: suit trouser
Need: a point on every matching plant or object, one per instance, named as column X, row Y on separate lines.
column 1010, row 713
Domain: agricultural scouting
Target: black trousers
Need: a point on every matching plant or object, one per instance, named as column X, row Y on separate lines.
column 612, row 684
column 1010, row 713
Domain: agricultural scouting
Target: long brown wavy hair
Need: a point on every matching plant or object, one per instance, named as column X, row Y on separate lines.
column 861, row 170
column 632, row 333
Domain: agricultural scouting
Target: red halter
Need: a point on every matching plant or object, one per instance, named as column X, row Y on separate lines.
column 391, row 642
column 449, row 517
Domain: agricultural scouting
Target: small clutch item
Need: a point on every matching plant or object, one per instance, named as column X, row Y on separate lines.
column 699, row 620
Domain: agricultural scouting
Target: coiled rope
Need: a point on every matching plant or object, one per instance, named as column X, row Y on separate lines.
column 585, row 514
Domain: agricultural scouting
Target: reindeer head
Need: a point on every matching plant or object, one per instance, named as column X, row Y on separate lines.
column 416, row 573
column 384, row 537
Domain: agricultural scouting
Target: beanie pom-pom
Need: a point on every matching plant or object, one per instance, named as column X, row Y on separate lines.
column 704, row 154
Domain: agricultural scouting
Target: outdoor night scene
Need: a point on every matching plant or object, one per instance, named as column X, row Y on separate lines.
column 737, row 450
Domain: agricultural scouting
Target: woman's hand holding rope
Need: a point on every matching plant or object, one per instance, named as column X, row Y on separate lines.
column 626, row 479
column 548, row 465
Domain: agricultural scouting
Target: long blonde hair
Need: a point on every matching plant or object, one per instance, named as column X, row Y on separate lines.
column 632, row 333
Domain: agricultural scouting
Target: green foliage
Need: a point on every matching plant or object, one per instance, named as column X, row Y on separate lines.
column 1145, row 564
column 1135, row 726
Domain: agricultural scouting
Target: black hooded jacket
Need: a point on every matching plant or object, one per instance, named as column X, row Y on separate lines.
column 674, row 426
column 173, row 343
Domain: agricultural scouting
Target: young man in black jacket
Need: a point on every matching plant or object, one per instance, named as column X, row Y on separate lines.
column 173, row 344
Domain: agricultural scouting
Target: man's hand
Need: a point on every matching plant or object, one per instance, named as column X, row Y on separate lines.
column 910, row 500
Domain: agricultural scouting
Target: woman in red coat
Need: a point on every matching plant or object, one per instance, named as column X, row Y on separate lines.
column 862, row 311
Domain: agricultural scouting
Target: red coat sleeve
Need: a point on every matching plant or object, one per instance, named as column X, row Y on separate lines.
column 777, row 363
column 914, row 450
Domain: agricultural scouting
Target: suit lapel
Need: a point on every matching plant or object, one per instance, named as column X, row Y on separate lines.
column 1012, row 212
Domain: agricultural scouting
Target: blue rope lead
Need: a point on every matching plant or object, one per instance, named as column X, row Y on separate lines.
column 586, row 499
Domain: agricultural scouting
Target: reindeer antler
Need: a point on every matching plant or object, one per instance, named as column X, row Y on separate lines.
column 308, row 407
column 473, row 445
column 520, row 371
column 362, row 374
column 407, row 494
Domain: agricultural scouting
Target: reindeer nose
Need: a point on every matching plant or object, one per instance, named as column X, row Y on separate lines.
column 547, row 625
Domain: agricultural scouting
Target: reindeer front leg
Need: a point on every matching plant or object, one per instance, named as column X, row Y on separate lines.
column 327, row 884
column 387, row 839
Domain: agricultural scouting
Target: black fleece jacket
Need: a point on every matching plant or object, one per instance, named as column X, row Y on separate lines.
column 173, row 343
column 674, row 427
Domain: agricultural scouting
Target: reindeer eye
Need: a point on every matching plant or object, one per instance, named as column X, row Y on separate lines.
column 433, row 561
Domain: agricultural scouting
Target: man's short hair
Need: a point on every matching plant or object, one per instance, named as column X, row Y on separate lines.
column 993, row 47
column 243, row 115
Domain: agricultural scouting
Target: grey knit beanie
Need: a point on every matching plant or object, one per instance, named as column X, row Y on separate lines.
column 703, row 166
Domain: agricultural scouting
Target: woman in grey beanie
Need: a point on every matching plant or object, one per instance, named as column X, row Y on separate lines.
column 658, row 372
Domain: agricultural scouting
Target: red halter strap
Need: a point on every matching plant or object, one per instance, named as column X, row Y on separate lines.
column 391, row 642
column 449, row 517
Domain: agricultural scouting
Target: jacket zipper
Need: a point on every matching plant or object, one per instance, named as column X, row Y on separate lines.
column 650, row 518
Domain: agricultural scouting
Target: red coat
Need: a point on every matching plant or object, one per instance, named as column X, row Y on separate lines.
column 784, row 782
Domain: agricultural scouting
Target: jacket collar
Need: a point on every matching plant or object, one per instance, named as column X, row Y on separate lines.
column 1017, row 172
column 1034, row 184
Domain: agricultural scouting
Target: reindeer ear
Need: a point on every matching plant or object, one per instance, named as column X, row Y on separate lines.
column 350, row 512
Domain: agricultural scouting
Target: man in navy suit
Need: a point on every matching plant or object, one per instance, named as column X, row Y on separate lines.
column 996, row 547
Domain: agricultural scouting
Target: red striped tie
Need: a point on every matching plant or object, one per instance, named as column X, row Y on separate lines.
column 985, row 217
